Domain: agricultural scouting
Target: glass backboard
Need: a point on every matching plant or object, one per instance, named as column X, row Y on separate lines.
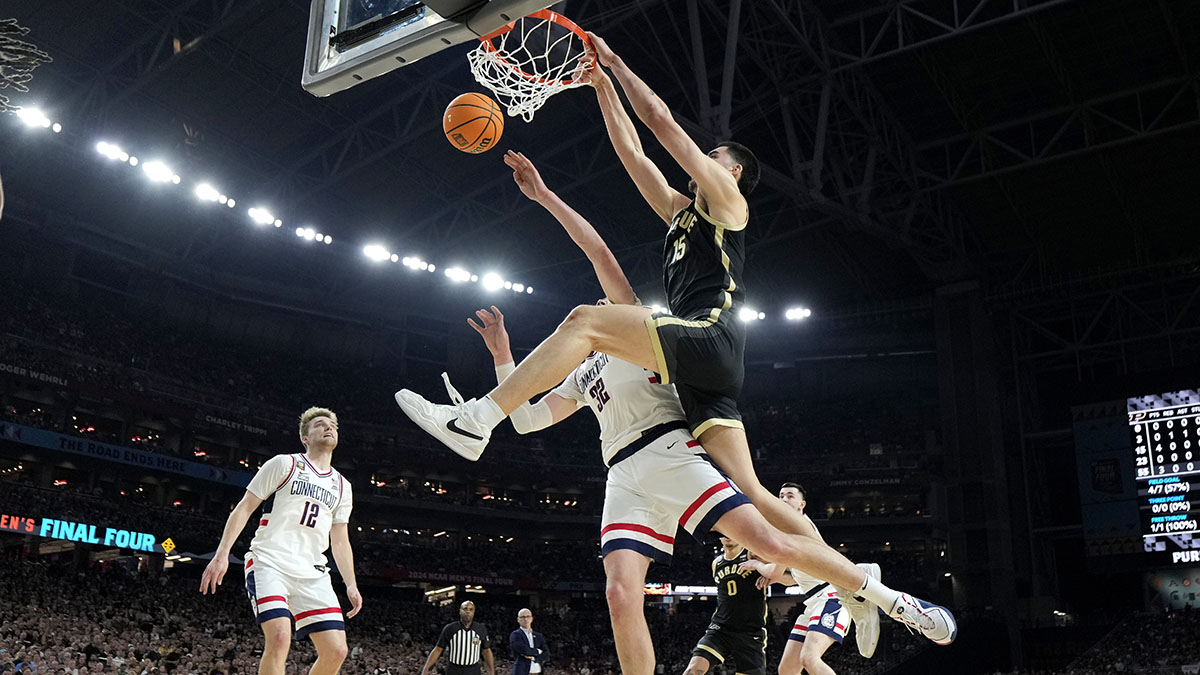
column 351, row 41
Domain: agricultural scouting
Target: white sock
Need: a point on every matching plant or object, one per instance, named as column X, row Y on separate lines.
column 874, row 590
column 488, row 413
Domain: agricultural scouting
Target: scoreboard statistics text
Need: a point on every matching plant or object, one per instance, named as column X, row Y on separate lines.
column 1165, row 430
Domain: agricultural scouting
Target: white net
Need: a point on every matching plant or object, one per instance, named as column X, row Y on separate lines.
column 537, row 57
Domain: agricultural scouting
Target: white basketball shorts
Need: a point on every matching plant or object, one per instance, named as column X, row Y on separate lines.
column 311, row 603
column 666, row 484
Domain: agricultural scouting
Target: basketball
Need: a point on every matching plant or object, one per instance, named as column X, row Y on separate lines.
column 473, row 122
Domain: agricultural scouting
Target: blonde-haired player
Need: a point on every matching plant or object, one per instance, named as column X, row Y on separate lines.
column 306, row 506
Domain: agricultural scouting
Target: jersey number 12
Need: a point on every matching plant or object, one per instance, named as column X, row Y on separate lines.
column 308, row 517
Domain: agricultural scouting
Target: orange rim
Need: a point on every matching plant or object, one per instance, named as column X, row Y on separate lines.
column 540, row 14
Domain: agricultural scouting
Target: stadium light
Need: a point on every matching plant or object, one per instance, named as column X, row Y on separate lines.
column 33, row 117
column 457, row 274
column 746, row 314
column 508, row 284
column 109, row 150
column 208, row 193
column 519, row 288
column 798, row 313
column 474, row 278
column 56, row 128
column 529, row 290
column 157, row 171
column 492, row 282
column 376, row 252
column 260, row 216
column 328, row 239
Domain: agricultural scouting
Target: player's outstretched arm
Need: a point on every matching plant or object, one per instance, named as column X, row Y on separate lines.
column 528, row 417
column 612, row 278
column 725, row 201
column 214, row 573
column 650, row 181
column 343, row 555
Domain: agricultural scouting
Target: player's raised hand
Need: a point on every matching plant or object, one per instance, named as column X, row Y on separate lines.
column 214, row 574
column 355, row 598
column 495, row 336
column 594, row 76
column 604, row 54
column 526, row 176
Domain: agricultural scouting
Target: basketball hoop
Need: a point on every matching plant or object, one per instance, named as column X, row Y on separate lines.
column 531, row 59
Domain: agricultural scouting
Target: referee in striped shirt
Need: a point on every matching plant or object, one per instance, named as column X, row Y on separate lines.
column 464, row 641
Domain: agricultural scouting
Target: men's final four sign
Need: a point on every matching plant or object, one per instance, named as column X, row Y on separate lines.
column 1166, row 444
column 85, row 533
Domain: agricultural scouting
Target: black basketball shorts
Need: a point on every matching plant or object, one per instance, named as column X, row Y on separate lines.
column 740, row 653
column 704, row 358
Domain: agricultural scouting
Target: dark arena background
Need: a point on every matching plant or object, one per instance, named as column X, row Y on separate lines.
column 973, row 315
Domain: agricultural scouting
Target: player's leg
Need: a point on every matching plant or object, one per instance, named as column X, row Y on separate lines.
column 790, row 664
column 616, row 330
column 625, row 571
column 268, row 593
column 466, row 426
column 277, row 634
column 746, row 525
column 699, row 665
column 331, row 651
column 812, row 654
column 730, row 450
column 319, row 618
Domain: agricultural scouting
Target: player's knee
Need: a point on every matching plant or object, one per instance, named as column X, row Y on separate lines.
column 622, row 598
column 277, row 641
column 580, row 320
column 809, row 660
column 336, row 652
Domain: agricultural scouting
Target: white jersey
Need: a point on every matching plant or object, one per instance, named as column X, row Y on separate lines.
column 300, row 505
column 807, row 582
column 626, row 399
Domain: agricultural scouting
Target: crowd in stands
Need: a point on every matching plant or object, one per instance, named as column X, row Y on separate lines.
column 109, row 618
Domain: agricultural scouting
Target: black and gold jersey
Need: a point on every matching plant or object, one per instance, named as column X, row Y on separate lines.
column 741, row 605
column 703, row 262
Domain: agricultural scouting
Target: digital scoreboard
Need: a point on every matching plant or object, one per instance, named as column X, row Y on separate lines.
column 1165, row 434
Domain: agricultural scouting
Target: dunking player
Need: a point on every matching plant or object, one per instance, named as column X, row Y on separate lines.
column 823, row 620
column 738, row 630
column 699, row 347
column 659, row 476
column 306, row 509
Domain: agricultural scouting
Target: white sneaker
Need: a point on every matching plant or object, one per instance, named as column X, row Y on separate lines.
column 933, row 621
column 865, row 615
column 454, row 425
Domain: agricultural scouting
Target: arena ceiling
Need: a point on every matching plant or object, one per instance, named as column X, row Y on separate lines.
column 907, row 143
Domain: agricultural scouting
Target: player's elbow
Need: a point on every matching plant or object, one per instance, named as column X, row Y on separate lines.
column 657, row 117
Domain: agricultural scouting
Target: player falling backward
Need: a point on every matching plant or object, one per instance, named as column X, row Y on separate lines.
column 699, row 347
column 659, row 477
column 306, row 506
